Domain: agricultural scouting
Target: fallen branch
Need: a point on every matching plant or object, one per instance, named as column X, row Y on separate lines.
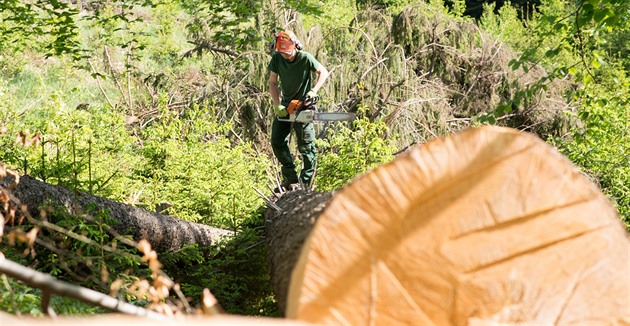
column 50, row 285
column 267, row 200
column 205, row 45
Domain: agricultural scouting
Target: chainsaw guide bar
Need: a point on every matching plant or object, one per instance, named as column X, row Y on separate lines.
column 306, row 116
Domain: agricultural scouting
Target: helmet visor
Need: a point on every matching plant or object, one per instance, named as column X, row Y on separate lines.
column 284, row 44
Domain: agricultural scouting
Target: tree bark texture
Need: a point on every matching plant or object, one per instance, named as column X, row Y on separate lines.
column 164, row 233
column 488, row 226
column 286, row 232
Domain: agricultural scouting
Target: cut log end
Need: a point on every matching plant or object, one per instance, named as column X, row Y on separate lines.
column 490, row 224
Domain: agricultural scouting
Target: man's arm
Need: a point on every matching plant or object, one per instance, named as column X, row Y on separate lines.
column 322, row 75
column 273, row 88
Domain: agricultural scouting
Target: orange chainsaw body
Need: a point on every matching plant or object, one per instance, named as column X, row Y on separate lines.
column 294, row 105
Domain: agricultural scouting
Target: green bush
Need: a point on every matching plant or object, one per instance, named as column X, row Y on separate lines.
column 190, row 162
column 16, row 298
column 234, row 271
column 601, row 147
column 348, row 152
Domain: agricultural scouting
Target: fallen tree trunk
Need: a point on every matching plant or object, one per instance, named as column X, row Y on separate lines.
column 487, row 226
column 286, row 232
column 164, row 233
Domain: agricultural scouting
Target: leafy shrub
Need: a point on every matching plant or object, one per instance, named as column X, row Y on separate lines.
column 505, row 24
column 235, row 271
column 190, row 162
column 599, row 147
column 16, row 297
column 348, row 152
column 75, row 249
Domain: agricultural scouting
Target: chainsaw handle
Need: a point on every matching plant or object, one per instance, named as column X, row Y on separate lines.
column 311, row 100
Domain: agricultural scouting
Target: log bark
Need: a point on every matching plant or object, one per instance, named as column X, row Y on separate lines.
column 488, row 226
column 286, row 232
column 165, row 233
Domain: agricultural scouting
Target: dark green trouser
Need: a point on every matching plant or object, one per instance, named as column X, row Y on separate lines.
column 305, row 133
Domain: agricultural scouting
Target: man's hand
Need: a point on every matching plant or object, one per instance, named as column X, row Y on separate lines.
column 281, row 111
column 311, row 97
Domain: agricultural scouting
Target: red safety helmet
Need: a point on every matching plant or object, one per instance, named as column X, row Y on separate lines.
column 285, row 42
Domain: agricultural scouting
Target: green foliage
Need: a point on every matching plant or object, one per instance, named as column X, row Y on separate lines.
column 187, row 160
column 333, row 14
column 235, row 271
column 141, row 124
column 458, row 8
column 48, row 24
column 381, row 4
column 19, row 298
column 75, row 249
column 77, row 146
column 617, row 46
column 81, row 248
column 237, row 24
column 348, row 152
column 601, row 148
column 168, row 37
column 505, row 24
column 16, row 298
column 84, row 252
column 190, row 162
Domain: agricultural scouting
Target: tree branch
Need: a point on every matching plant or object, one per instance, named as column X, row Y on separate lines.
column 205, row 45
column 50, row 285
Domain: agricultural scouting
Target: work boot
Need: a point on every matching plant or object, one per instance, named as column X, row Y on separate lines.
column 286, row 186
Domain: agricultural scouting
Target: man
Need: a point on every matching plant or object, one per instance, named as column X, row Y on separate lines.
column 293, row 68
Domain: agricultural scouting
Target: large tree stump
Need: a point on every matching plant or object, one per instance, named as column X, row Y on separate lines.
column 490, row 225
column 165, row 233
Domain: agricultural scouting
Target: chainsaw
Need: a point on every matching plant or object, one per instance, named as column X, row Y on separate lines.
column 304, row 111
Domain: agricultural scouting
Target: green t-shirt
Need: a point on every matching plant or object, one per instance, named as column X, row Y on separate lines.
column 295, row 77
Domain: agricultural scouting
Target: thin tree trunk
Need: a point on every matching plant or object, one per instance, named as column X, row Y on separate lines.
column 165, row 233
